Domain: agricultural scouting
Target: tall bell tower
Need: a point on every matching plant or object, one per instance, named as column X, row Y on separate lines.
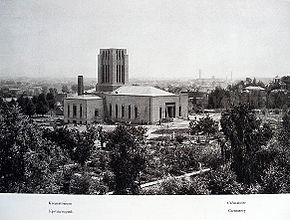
column 112, row 69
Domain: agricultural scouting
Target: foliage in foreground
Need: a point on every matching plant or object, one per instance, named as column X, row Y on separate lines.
column 126, row 145
column 206, row 125
column 255, row 160
column 25, row 157
column 251, row 159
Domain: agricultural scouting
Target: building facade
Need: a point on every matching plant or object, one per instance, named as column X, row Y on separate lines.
column 83, row 109
column 116, row 101
column 145, row 105
column 255, row 96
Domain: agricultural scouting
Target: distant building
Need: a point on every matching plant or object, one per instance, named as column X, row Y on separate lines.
column 15, row 91
column 116, row 101
column 198, row 99
column 282, row 83
column 255, row 96
column 279, row 94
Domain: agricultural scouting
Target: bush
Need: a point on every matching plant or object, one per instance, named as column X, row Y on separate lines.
column 173, row 186
column 210, row 156
column 276, row 111
column 275, row 180
column 161, row 138
column 80, row 184
column 223, row 181
column 166, row 120
column 180, row 138
column 206, row 125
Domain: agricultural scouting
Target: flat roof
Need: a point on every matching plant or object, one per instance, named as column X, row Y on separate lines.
column 83, row 97
column 141, row 91
column 254, row 88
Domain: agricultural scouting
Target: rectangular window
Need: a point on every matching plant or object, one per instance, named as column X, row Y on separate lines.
column 179, row 111
column 81, row 111
column 129, row 111
column 123, row 111
column 74, row 111
column 160, row 113
column 96, row 112
column 110, row 110
column 136, row 112
column 68, row 111
column 117, row 111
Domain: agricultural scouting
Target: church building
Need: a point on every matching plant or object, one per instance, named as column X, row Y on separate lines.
column 116, row 100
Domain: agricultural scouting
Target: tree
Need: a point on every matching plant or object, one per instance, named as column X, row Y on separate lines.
column 176, row 160
column 64, row 89
column 277, row 99
column 276, row 175
column 53, row 91
column 27, row 106
column 44, row 89
column 12, row 102
column 30, row 108
column 246, row 135
column 78, row 145
column 21, row 102
column 34, row 99
column 223, row 181
column 50, row 97
column 127, row 157
column 74, row 88
column 102, row 135
column 218, row 98
column 205, row 124
column 42, row 104
column 24, row 155
column 85, row 144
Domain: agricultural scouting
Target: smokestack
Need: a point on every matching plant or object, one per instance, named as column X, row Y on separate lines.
column 80, row 85
column 199, row 73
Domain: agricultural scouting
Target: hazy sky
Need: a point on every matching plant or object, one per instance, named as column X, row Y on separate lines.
column 164, row 38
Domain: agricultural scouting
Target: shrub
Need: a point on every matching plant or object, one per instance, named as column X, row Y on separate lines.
column 223, row 181
column 180, row 138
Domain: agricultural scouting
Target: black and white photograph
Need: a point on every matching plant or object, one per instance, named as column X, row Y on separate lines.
column 168, row 102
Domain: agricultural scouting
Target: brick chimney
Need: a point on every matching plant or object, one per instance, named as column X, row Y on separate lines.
column 80, row 85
